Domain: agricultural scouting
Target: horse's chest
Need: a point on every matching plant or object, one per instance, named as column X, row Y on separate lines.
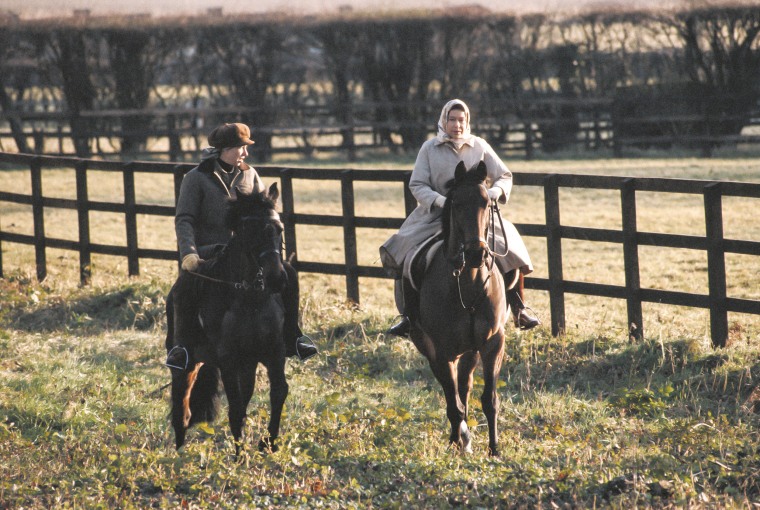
column 251, row 328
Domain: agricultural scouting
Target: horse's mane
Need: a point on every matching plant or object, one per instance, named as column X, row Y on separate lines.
column 243, row 205
column 246, row 205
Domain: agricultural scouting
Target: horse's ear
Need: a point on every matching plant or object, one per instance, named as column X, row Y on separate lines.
column 481, row 171
column 460, row 171
column 274, row 192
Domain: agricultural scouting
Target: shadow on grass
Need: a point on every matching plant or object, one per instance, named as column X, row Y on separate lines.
column 133, row 306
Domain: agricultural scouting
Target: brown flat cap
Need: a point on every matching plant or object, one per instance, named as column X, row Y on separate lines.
column 230, row 135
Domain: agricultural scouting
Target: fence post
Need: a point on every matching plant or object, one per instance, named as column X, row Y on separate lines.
column 716, row 264
column 349, row 235
column 83, row 216
column 631, row 260
column 528, row 129
column 554, row 253
column 130, row 217
column 175, row 142
column 38, row 215
column 288, row 213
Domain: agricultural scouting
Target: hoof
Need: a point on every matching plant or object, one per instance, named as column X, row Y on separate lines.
column 268, row 445
column 466, row 440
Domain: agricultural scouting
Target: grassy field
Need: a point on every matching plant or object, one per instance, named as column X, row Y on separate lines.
column 587, row 420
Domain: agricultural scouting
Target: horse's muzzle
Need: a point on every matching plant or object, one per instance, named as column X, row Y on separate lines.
column 475, row 254
column 276, row 280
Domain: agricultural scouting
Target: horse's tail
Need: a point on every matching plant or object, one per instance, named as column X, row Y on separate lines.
column 205, row 398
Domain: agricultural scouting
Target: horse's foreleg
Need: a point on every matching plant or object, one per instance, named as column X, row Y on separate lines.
column 446, row 373
column 465, row 370
column 278, row 392
column 231, row 377
column 192, row 376
column 489, row 400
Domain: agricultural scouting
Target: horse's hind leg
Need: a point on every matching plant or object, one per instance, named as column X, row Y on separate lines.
column 179, row 388
column 192, row 377
column 278, row 392
column 182, row 388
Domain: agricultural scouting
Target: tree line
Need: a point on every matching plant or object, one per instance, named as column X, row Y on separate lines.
column 391, row 70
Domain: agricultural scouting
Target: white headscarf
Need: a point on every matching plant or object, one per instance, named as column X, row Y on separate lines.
column 442, row 136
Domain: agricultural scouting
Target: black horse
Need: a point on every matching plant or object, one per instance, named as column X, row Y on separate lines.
column 229, row 317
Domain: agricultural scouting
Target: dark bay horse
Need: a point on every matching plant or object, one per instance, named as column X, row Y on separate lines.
column 229, row 316
column 462, row 306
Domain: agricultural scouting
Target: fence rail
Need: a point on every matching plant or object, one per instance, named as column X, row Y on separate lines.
column 176, row 133
column 714, row 242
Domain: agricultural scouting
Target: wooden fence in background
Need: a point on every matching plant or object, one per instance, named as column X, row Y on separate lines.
column 177, row 133
column 714, row 243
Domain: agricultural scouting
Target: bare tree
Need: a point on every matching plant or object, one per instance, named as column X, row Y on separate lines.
column 72, row 53
column 250, row 54
column 135, row 54
column 11, row 47
column 722, row 53
column 398, row 70
column 338, row 42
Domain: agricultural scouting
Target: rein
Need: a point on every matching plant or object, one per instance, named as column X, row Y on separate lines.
column 258, row 282
column 490, row 250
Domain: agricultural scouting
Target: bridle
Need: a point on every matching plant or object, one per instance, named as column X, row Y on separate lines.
column 259, row 284
column 493, row 208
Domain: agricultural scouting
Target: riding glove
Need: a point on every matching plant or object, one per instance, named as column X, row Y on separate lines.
column 440, row 201
column 191, row 262
column 494, row 193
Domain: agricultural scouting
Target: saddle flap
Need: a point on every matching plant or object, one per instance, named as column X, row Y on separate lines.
column 418, row 260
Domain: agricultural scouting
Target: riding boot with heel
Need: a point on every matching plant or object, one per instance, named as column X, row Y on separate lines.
column 305, row 348
column 524, row 317
column 411, row 309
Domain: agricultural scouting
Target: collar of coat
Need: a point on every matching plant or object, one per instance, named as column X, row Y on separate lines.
column 209, row 165
column 457, row 144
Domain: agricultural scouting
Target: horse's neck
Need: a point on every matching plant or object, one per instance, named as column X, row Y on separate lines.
column 232, row 261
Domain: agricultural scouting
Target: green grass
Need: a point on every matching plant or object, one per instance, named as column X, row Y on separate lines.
column 587, row 420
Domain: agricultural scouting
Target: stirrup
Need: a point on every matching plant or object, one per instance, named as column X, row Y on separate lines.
column 177, row 351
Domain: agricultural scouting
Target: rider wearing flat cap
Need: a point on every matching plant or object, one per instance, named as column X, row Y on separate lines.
column 201, row 230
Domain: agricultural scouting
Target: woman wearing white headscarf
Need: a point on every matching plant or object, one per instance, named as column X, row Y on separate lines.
column 434, row 168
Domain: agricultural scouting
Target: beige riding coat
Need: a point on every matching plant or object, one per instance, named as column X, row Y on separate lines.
column 435, row 167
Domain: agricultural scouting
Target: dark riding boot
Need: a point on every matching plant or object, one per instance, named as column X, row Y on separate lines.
column 524, row 317
column 296, row 343
column 402, row 328
column 411, row 310
column 305, row 348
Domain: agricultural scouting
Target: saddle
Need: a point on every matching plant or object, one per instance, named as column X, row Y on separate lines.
column 417, row 262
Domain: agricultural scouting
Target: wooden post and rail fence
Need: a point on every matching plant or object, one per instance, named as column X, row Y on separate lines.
column 629, row 237
column 178, row 133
